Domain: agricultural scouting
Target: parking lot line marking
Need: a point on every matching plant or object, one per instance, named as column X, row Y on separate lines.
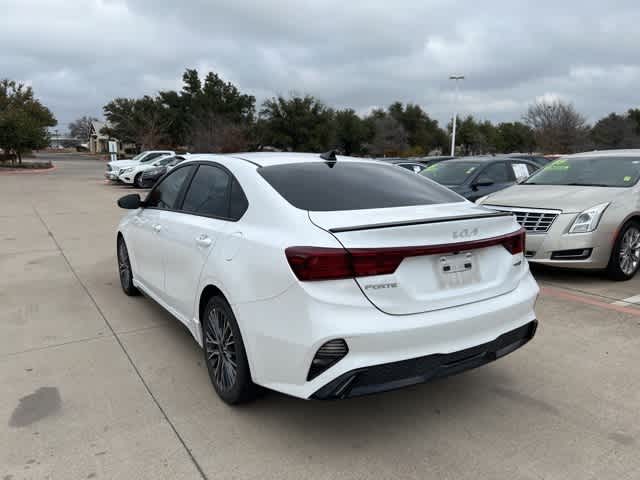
column 556, row 292
column 122, row 347
column 628, row 301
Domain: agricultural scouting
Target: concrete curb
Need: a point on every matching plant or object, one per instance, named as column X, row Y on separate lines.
column 23, row 171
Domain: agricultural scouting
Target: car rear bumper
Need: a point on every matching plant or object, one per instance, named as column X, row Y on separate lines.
column 391, row 376
column 283, row 334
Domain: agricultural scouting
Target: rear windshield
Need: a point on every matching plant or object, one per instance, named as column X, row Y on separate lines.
column 324, row 187
column 450, row 173
column 600, row 171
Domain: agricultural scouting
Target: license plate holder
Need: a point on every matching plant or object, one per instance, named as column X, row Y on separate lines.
column 458, row 262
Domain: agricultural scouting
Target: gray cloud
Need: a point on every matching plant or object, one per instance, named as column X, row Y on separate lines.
column 80, row 54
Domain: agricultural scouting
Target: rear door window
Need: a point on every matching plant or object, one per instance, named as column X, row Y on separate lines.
column 499, row 172
column 208, row 193
column 349, row 185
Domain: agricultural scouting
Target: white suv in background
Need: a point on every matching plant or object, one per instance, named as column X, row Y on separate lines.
column 113, row 168
column 133, row 174
column 326, row 277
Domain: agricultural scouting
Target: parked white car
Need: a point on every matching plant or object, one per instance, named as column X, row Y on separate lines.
column 326, row 277
column 113, row 168
column 133, row 174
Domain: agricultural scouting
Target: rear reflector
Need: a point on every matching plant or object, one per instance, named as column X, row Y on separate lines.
column 327, row 355
column 320, row 263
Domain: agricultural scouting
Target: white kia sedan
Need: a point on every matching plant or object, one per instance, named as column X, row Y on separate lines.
column 326, row 277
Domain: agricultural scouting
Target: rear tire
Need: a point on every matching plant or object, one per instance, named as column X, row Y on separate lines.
column 625, row 255
column 225, row 355
column 124, row 269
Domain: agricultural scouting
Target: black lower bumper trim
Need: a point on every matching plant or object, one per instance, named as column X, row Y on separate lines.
column 391, row 376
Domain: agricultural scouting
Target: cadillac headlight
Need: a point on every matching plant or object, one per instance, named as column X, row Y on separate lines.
column 588, row 220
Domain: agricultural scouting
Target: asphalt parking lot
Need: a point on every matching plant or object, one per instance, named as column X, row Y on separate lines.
column 99, row 385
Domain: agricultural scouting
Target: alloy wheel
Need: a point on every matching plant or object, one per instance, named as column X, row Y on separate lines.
column 124, row 267
column 220, row 347
column 629, row 255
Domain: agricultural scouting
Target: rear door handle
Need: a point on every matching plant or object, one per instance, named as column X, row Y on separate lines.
column 157, row 227
column 203, row 241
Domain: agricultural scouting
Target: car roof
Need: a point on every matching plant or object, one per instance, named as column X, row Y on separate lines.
column 630, row 152
column 479, row 159
column 267, row 159
column 400, row 160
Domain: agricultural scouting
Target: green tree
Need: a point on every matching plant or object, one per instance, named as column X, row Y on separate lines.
column 296, row 123
column 615, row 131
column 423, row 132
column 634, row 116
column 470, row 137
column 23, row 119
column 219, row 116
column 142, row 121
column 176, row 118
column 514, row 137
column 351, row 132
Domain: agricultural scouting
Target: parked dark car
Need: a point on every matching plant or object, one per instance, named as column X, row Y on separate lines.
column 475, row 177
column 148, row 178
column 416, row 164
column 539, row 159
column 428, row 161
column 415, row 167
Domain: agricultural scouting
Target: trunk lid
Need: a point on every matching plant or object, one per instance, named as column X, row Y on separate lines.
column 467, row 272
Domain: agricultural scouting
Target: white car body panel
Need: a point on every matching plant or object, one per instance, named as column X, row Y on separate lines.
column 284, row 321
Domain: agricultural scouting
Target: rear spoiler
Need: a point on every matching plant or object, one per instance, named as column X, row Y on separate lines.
column 424, row 221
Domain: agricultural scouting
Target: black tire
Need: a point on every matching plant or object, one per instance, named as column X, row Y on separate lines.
column 625, row 255
column 137, row 181
column 228, row 367
column 124, row 269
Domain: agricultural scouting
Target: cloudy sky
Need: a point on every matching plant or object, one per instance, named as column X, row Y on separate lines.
column 79, row 54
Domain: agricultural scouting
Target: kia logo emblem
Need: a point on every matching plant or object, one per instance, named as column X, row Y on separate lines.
column 466, row 233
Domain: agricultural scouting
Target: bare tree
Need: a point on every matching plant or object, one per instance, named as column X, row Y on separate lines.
column 557, row 126
column 81, row 127
column 389, row 137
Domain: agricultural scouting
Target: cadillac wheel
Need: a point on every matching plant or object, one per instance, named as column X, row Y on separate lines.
column 625, row 257
column 225, row 354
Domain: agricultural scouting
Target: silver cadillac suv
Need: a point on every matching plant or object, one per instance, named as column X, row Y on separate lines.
column 580, row 211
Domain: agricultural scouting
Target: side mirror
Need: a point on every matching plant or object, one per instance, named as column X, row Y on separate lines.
column 130, row 202
column 483, row 181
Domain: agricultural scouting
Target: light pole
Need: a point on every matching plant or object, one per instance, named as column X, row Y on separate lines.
column 455, row 78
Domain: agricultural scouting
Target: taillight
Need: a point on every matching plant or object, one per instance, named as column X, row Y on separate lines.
column 515, row 242
column 320, row 263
